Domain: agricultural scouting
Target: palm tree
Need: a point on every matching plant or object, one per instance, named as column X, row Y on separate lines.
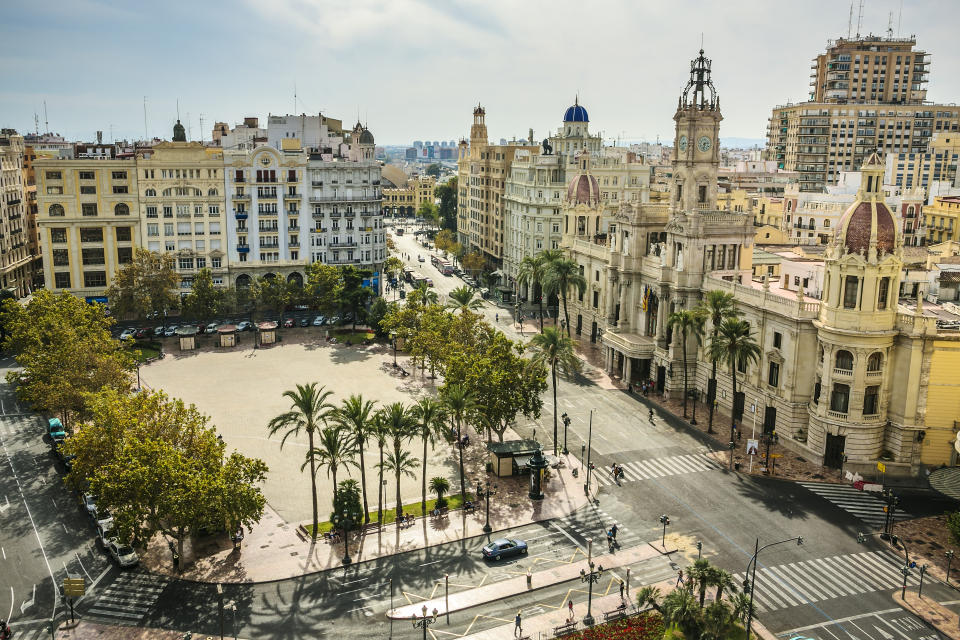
column 355, row 415
column 562, row 275
column 679, row 608
column 741, row 605
column 464, row 299
column 460, row 404
column 531, row 274
column 554, row 350
column 717, row 306
column 429, row 415
column 439, row 485
column 649, row 595
column 308, row 412
column 736, row 348
column 335, row 449
column 379, row 433
column 700, row 573
column 716, row 620
column 400, row 426
column 687, row 322
column 422, row 294
column 400, row 462
column 723, row 581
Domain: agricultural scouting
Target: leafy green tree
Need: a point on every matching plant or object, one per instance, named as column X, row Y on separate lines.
column 309, row 412
column 272, row 293
column 353, row 294
column 346, row 514
column 355, row 416
column 66, row 351
column 688, row 323
column 430, row 423
column 532, row 274
column 554, row 351
column 159, row 467
column 464, row 299
column 734, row 346
column 447, row 192
column 445, row 240
column 5, row 294
column 433, row 169
column 429, row 212
column 147, row 284
column 717, row 306
column 460, row 405
column 323, row 286
column 205, row 300
column 239, row 299
column 378, row 310
column 717, row 621
column 335, row 449
column 393, row 267
column 473, row 262
column 440, row 486
column 458, row 251
column 562, row 275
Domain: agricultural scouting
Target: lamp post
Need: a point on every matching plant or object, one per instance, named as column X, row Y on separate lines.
column 484, row 492
column 699, row 549
column 949, row 555
column 768, row 439
column 895, row 541
column 664, row 520
column 889, row 510
column 752, row 583
column 590, row 578
column 220, row 607
column 566, row 423
column 695, row 394
column 425, row 621
column 393, row 338
column 586, row 486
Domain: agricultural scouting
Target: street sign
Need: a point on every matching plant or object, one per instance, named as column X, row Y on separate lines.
column 74, row 587
column 776, row 455
column 882, row 468
column 752, row 447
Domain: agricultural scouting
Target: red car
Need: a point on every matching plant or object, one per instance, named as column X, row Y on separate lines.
column 289, row 323
column 144, row 332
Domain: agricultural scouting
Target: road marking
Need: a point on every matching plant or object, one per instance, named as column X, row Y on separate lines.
column 26, row 605
column 820, row 625
column 568, row 536
column 4, row 552
column 359, row 609
column 82, row 567
column 422, row 565
column 7, row 500
column 10, row 615
column 65, row 530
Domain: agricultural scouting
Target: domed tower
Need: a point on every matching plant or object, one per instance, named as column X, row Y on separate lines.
column 583, row 206
column 179, row 133
column 366, row 144
column 575, row 120
column 697, row 141
column 857, row 326
column 478, row 130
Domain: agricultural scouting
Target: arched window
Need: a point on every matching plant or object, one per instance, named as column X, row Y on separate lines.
column 826, row 224
column 151, row 193
column 55, row 210
column 121, row 210
column 800, row 221
column 844, row 360
column 212, row 192
column 875, row 361
column 910, row 211
column 789, row 206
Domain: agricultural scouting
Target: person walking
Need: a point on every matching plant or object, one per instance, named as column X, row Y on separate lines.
column 621, row 588
column 570, row 609
column 518, row 629
column 497, row 316
column 613, row 532
column 679, row 577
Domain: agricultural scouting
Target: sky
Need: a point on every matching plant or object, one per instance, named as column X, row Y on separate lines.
column 414, row 69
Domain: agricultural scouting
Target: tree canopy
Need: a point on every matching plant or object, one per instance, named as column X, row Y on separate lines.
column 323, row 286
column 447, row 192
column 205, row 300
column 147, row 284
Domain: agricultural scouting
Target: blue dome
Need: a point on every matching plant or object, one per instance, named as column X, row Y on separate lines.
column 576, row 113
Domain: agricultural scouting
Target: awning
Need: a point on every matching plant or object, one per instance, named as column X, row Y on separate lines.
column 947, row 481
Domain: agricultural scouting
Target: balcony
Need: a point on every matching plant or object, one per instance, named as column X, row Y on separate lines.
column 10, row 203
column 293, row 229
column 267, row 213
column 270, row 246
column 874, row 374
column 240, row 179
column 843, row 373
column 316, row 183
column 339, row 245
column 342, row 198
column 292, row 196
column 241, row 195
column 837, row 415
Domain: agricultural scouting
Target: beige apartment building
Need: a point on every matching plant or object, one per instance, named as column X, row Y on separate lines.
column 405, row 200
column 16, row 271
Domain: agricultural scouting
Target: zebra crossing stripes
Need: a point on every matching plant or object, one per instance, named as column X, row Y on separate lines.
column 807, row 581
column 129, row 598
column 861, row 505
column 658, row 468
column 594, row 523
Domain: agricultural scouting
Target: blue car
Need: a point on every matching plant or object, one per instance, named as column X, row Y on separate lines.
column 504, row 548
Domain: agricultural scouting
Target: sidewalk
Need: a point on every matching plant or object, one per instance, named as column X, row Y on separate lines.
column 274, row 550
column 930, row 611
column 91, row 631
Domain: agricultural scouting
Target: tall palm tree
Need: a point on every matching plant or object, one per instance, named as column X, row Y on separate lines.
column 400, row 462
column 562, row 275
column 460, row 405
column 717, row 306
column 723, row 581
column 355, row 415
column 679, row 608
column 716, row 621
column 688, row 323
column 335, row 449
column 554, row 350
column 379, row 433
column 430, row 416
column 464, row 299
column 741, row 605
column 649, row 595
column 734, row 346
column 309, row 412
column 698, row 575
column 422, row 294
column 531, row 273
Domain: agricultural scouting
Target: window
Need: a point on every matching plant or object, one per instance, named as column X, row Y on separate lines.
column 183, row 228
column 55, row 210
column 596, row 299
column 88, row 208
column 875, row 361
column 125, row 255
column 702, row 193
column 844, row 360
column 882, row 293
column 169, row 245
column 201, row 263
column 54, row 191
column 121, row 210
column 840, row 398
column 168, row 229
column 94, row 278
column 88, row 189
column 58, row 235
column 94, row 234
column 54, row 175
column 153, row 229
column 212, row 193
column 214, row 210
column 120, row 189
column 61, row 258
column 93, row 256
column 850, row 292
column 62, row 280
column 777, row 339
column 742, row 365
column 215, row 263
column 773, row 376
column 198, row 228
column 186, row 263
column 871, row 406
column 150, row 193
column 124, row 234
column 119, row 175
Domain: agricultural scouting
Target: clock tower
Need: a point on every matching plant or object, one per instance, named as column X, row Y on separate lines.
column 697, row 142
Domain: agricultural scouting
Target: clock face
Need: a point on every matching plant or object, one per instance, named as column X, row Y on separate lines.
column 682, row 143
column 703, row 143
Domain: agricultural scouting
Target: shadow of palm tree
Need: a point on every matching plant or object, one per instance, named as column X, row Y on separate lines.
column 774, row 495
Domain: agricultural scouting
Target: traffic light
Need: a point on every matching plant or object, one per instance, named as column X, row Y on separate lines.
column 664, row 520
column 861, row 538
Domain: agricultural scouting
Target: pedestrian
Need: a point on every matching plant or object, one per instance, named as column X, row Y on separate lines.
column 518, row 629
column 613, row 531
column 621, row 588
column 679, row 578
column 497, row 316
column 570, row 609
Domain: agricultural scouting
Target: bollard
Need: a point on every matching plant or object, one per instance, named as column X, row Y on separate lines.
column 529, row 579
column 628, row 582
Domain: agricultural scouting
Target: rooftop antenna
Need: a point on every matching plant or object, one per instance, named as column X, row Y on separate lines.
column 890, row 26
column 201, row 128
column 146, row 134
column 294, row 97
column 850, row 21
column 178, row 108
column 46, row 120
column 859, row 19
column 111, row 134
column 899, row 18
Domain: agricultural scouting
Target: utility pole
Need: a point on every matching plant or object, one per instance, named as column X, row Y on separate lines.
column 586, row 487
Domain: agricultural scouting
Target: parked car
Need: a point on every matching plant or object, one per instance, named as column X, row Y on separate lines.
column 304, row 322
column 245, row 326
column 103, row 519
column 88, row 504
column 128, row 333
column 55, row 430
column 429, row 282
column 420, row 259
column 143, row 332
column 318, row 321
column 123, row 554
column 170, row 331
column 504, row 548
column 157, row 332
column 334, row 320
column 289, row 322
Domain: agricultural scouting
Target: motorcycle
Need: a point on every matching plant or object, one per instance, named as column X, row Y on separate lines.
column 5, row 631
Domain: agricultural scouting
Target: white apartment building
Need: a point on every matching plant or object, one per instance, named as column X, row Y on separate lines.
column 314, row 132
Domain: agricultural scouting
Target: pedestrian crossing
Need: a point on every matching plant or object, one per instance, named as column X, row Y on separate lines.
column 129, row 598
column 860, row 504
column 658, row 468
column 593, row 522
column 799, row 583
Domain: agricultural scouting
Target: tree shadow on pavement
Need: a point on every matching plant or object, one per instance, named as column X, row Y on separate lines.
column 779, row 496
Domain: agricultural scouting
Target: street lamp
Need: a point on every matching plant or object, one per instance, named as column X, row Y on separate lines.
column 895, row 541
column 484, row 492
column 695, row 393
column 664, row 520
column 949, row 555
column 889, row 510
column 590, row 578
column 566, row 423
column 752, row 583
column 768, row 439
column 393, row 337
column 425, row 621
column 220, row 607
